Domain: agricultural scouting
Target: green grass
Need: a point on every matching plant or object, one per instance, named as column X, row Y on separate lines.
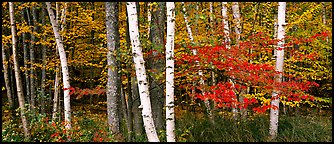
column 309, row 128
column 89, row 126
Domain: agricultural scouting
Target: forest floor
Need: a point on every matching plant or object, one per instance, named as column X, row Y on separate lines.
column 89, row 124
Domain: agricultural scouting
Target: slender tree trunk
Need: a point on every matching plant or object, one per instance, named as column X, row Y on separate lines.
column 236, row 15
column 237, row 27
column 113, row 88
column 226, row 27
column 157, row 38
column 324, row 16
column 63, row 60
column 141, row 74
column 129, row 106
column 19, row 86
column 43, row 65
column 227, row 41
column 55, row 96
column 32, row 61
column 279, row 67
column 25, row 56
column 149, row 16
column 200, row 72
column 6, row 76
column 170, row 118
column 136, row 109
column 130, row 86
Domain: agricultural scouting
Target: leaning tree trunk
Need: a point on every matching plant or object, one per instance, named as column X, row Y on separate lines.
column 56, row 98
column 63, row 60
column 19, row 87
column 170, row 117
column 141, row 74
column 279, row 68
column 157, row 65
column 113, row 88
column 6, row 76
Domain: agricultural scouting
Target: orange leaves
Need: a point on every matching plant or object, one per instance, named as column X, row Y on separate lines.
column 79, row 93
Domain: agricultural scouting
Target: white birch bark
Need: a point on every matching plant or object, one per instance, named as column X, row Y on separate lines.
column 227, row 40
column 211, row 12
column 19, row 86
column 324, row 16
column 56, row 87
column 149, row 16
column 236, row 15
column 279, row 67
column 170, row 118
column 141, row 73
column 275, row 37
column 200, row 72
column 63, row 60
column 226, row 27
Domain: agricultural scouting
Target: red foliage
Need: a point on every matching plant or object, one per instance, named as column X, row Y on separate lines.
column 235, row 64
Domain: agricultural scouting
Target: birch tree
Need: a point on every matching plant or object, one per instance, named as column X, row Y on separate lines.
column 237, row 28
column 56, row 85
column 113, row 83
column 19, row 86
column 279, row 68
column 141, row 74
column 63, row 60
column 200, row 72
column 170, row 118
column 227, row 41
column 226, row 27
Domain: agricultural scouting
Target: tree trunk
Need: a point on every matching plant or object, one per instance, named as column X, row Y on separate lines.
column 130, row 103
column 141, row 74
column 236, row 15
column 113, row 84
column 324, row 16
column 226, row 27
column 25, row 61
column 157, row 65
column 32, row 61
column 129, row 106
column 170, row 118
column 55, row 96
column 6, row 76
column 63, row 60
column 149, row 16
column 43, row 65
column 19, row 87
column 136, row 109
column 200, row 72
column 279, row 67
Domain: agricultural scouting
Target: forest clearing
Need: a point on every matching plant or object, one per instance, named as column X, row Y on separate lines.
column 166, row 72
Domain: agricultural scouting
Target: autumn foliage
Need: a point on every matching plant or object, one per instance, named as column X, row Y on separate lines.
column 246, row 66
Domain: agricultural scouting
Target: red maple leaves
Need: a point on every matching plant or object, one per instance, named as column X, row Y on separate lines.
column 235, row 63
